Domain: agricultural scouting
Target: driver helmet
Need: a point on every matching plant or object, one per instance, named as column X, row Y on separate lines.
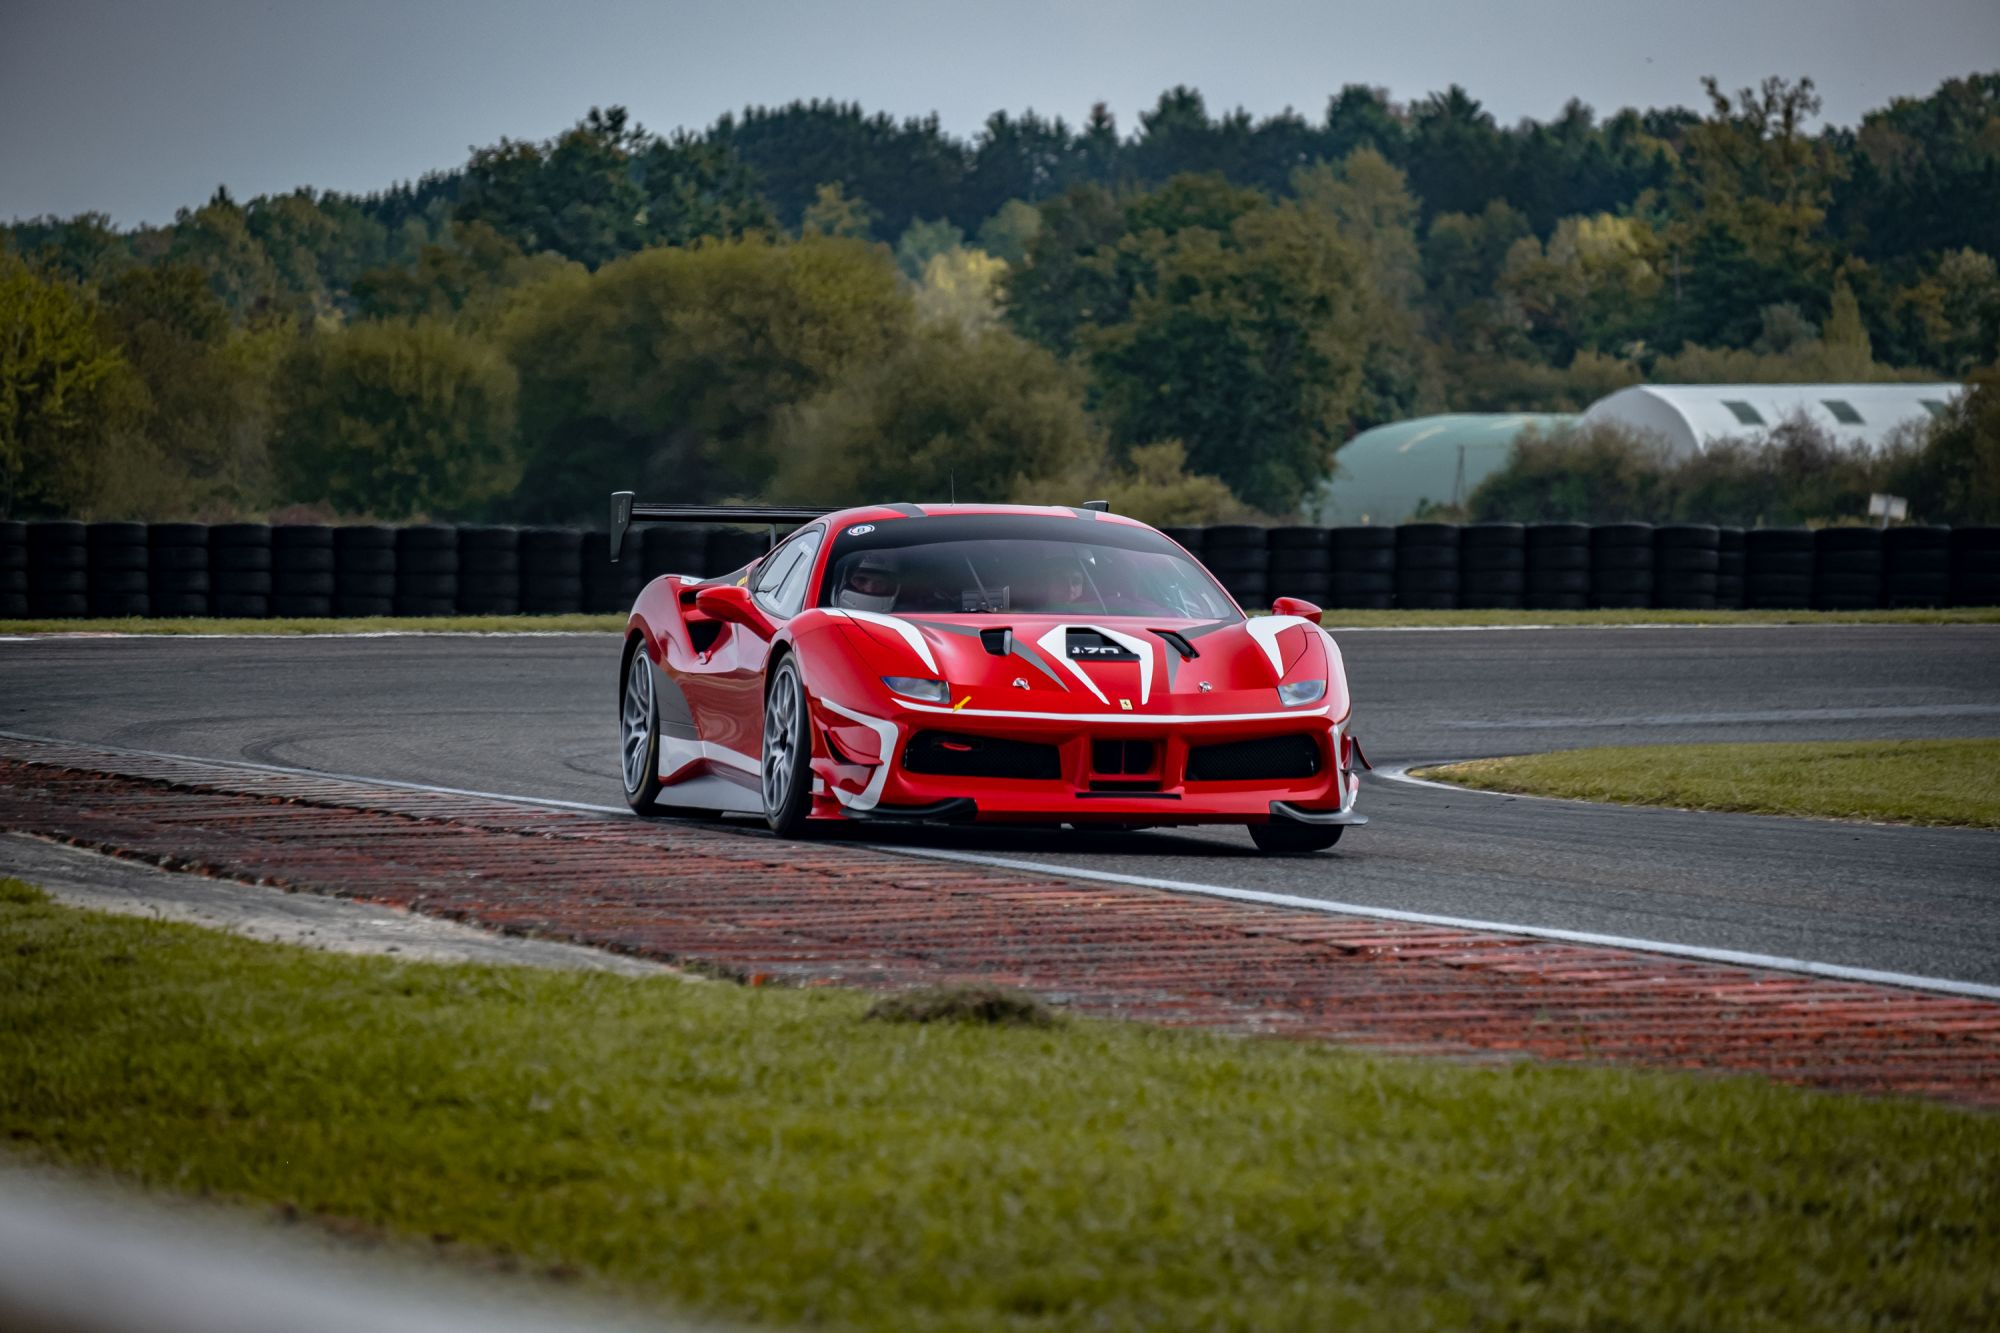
column 871, row 584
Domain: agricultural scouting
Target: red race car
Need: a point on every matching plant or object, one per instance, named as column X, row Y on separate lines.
column 990, row 663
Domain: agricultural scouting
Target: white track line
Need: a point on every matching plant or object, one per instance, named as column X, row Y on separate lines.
column 1401, row 773
column 1733, row 957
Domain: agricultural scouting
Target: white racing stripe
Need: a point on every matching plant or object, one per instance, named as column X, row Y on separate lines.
column 1738, row 958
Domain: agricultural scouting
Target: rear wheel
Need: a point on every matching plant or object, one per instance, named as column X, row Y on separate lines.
column 1285, row 837
column 639, row 731
column 787, row 763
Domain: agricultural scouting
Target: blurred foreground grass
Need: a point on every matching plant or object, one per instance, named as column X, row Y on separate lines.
column 766, row 1154
column 1903, row 782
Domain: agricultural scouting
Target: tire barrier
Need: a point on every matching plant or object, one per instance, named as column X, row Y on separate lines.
column 1687, row 561
column 426, row 571
column 119, row 560
column 177, row 568
column 69, row 570
column 1237, row 555
column 551, row 571
column 489, row 571
column 1975, row 566
column 1777, row 569
column 607, row 588
column 1847, row 569
column 1364, row 569
column 239, row 570
column 1301, row 564
column 667, row 549
column 1558, row 567
column 58, row 571
column 1916, row 567
column 364, row 571
column 302, row 581
column 1621, row 566
column 13, row 570
column 1492, row 567
column 1427, row 566
column 1729, row 569
column 730, row 549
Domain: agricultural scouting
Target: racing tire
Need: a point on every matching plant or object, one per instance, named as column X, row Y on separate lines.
column 1283, row 837
column 639, row 730
column 786, row 767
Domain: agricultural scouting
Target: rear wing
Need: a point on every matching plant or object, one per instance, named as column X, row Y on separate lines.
column 625, row 511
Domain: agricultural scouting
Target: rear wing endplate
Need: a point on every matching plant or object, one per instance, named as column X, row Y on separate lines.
column 625, row 511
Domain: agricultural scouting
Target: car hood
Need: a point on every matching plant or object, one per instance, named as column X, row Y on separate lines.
column 1084, row 664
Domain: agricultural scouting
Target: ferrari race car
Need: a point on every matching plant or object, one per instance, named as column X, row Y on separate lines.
column 989, row 663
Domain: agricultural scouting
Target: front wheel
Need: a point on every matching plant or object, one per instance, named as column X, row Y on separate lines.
column 1284, row 837
column 787, row 764
column 639, row 731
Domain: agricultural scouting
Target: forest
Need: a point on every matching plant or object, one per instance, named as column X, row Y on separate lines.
column 815, row 302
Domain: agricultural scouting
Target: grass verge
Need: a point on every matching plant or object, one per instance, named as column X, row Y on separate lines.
column 1955, row 782
column 767, row 1154
column 1335, row 619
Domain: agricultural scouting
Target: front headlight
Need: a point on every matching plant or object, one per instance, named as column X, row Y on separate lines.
column 1302, row 692
column 936, row 691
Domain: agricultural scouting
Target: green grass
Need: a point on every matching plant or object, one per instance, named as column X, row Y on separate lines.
column 1903, row 782
column 1334, row 618
column 767, row 1154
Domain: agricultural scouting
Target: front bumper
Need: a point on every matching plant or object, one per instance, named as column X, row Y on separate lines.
column 862, row 770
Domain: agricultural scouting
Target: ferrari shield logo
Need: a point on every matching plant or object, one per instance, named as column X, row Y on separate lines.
column 1125, row 704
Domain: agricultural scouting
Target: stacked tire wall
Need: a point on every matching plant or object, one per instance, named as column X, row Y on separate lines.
column 1427, row 566
column 118, row 560
column 13, row 570
column 1687, row 566
column 239, row 569
column 1558, row 567
column 302, row 579
column 1493, row 567
column 63, row 570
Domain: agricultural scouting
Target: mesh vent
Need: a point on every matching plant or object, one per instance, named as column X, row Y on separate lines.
column 1266, row 758
column 952, row 755
column 1122, row 756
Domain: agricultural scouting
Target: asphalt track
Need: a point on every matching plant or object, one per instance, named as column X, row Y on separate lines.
column 533, row 716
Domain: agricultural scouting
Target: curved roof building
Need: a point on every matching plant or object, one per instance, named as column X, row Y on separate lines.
column 1688, row 416
column 1383, row 474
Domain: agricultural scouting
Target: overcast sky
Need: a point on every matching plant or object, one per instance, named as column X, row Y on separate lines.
column 135, row 109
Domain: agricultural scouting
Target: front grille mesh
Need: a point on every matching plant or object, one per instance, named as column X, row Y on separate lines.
column 1267, row 758
column 949, row 754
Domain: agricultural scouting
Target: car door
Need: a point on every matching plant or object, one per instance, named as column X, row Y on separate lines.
column 726, row 690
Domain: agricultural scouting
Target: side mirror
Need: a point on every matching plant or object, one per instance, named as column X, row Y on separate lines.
column 733, row 605
column 1295, row 606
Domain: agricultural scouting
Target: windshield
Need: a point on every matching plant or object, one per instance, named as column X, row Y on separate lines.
column 1023, row 564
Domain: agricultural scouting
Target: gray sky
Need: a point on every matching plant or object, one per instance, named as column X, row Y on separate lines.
column 135, row 109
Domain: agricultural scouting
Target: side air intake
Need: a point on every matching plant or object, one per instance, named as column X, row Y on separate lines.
column 1267, row 758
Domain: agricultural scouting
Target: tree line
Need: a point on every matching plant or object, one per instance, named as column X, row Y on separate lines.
column 814, row 302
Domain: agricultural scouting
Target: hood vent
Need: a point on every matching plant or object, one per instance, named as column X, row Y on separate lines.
column 999, row 641
column 1179, row 643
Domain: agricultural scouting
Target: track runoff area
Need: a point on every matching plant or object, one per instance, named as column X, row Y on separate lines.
column 468, row 767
